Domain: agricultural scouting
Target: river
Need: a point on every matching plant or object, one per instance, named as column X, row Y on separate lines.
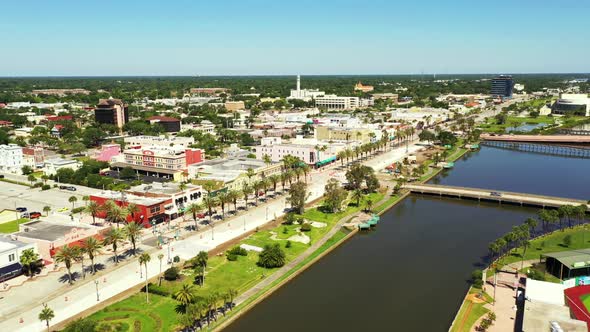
column 411, row 273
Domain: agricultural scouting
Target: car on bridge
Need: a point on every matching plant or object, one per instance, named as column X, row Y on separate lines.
column 495, row 194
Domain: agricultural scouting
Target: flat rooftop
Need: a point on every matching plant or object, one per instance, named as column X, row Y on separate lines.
column 538, row 317
column 130, row 198
column 161, row 188
column 47, row 230
column 7, row 243
column 569, row 258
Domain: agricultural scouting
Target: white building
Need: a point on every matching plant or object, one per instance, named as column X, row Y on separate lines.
column 574, row 104
column 305, row 94
column 164, row 141
column 10, row 252
column 206, row 127
column 52, row 165
column 11, row 158
column 342, row 103
column 310, row 151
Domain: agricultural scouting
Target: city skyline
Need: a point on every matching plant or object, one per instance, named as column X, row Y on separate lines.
column 263, row 38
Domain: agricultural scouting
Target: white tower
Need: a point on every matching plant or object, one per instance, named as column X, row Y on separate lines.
column 298, row 84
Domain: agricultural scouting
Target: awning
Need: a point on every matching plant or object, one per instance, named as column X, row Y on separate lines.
column 326, row 161
column 10, row 270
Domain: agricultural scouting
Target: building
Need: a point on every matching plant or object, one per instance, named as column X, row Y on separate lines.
column 572, row 104
column 60, row 92
column 49, row 235
column 107, row 152
column 152, row 210
column 161, row 161
column 387, row 95
column 10, row 252
column 34, row 157
column 180, row 198
column 305, row 94
column 5, row 124
column 363, row 88
column 111, row 111
column 310, row 151
column 137, row 141
column 170, row 125
column 11, row 158
column 53, row 165
column 342, row 103
column 209, row 91
column 502, row 86
column 206, row 127
column 327, row 133
column 232, row 171
column 519, row 87
column 233, row 106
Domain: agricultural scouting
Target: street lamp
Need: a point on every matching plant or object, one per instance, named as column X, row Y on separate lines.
column 244, row 218
column 212, row 233
column 266, row 214
column 97, row 296
column 169, row 261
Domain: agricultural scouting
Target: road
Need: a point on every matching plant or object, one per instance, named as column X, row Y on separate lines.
column 83, row 295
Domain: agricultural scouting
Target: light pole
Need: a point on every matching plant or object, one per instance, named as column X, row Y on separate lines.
column 266, row 214
column 212, row 233
column 244, row 218
column 169, row 261
column 97, row 296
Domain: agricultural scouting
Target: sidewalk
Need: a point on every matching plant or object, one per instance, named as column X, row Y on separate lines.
column 83, row 296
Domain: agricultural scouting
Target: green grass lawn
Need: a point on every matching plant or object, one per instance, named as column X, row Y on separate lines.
column 585, row 298
column 12, row 226
column 580, row 239
column 133, row 315
column 222, row 274
column 477, row 311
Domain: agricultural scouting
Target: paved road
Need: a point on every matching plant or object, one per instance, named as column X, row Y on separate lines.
column 82, row 295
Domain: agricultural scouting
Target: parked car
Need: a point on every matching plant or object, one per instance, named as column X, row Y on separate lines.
column 71, row 188
column 496, row 194
column 34, row 215
column 63, row 187
column 21, row 209
column 1, row 176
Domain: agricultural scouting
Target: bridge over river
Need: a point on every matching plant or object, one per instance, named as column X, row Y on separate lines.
column 551, row 139
column 493, row 195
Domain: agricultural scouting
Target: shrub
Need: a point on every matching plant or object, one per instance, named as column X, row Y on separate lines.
column 238, row 251
column 38, row 185
column 45, row 187
column 289, row 219
column 285, row 230
column 171, row 274
column 176, row 259
column 81, row 325
column 231, row 257
column 155, row 289
column 306, row 227
column 300, row 220
column 78, row 209
column 535, row 275
column 271, row 256
column 567, row 240
column 288, row 244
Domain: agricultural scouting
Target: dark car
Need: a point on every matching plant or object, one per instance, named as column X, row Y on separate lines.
column 63, row 187
column 1, row 176
column 21, row 209
column 70, row 188
column 496, row 194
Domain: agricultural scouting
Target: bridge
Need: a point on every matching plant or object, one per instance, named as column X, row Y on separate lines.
column 522, row 199
column 548, row 149
column 577, row 132
column 551, row 139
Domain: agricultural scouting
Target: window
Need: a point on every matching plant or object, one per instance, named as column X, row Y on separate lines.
column 11, row 258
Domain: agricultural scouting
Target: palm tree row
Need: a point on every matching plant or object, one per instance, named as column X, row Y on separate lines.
column 362, row 151
column 197, row 314
column 90, row 247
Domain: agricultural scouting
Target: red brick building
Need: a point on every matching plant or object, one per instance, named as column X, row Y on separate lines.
column 151, row 209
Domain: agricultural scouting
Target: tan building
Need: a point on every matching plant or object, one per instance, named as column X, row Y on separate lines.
column 233, row 106
column 362, row 135
column 387, row 95
column 364, row 88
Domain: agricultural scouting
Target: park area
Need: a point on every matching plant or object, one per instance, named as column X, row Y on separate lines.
column 7, row 222
column 222, row 275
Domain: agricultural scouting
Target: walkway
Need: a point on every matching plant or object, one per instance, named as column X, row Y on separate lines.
column 538, row 138
column 498, row 196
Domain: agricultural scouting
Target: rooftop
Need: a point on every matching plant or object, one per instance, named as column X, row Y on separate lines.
column 161, row 188
column 47, row 230
column 574, row 259
column 130, row 198
column 7, row 243
column 163, row 118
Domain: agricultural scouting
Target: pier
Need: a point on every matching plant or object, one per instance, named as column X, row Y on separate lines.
column 549, row 149
column 522, row 199
column 551, row 139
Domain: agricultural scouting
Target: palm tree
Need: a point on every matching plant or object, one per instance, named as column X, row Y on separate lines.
column 186, row 294
column 133, row 232
column 67, row 255
column 93, row 209
column 31, row 178
column 46, row 315
column 357, row 195
column 44, row 177
column 132, row 209
column 160, row 257
column 144, row 259
column 91, row 247
column 257, row 185
column 246, row 190
column 369, row 204
column 209, row 186
column 305, row 168
column 73, row 200
column 28, row 259
column 233, row 197
column 116, row 214
column 113, row 237
column 274, row 179
column 232, row 293
column 193, row 209
column 46, row 209
column 210, row 203
column 223, row 199
column 250, row 174
column 85, row 198
column 267, row 160
column 201, row 260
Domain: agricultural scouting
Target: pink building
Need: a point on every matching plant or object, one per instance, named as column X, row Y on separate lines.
column 107, row 152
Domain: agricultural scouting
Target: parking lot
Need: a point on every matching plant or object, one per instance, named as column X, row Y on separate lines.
column 14, row 195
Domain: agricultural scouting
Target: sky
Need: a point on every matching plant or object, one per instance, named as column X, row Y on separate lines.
column 260, row 37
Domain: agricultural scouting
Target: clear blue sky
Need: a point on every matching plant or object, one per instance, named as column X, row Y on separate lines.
column 243, row 37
